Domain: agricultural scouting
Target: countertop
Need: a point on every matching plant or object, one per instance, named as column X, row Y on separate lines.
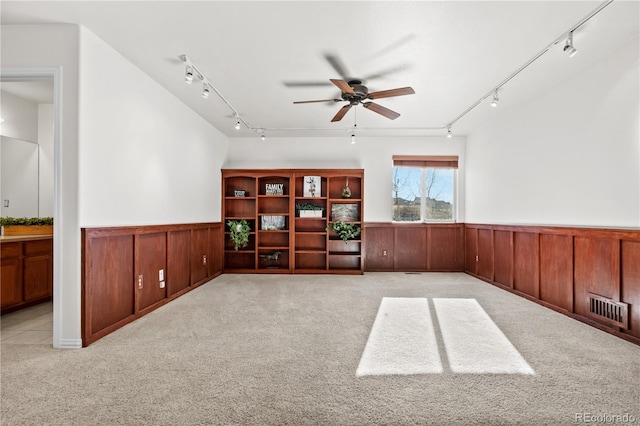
column 19, row 238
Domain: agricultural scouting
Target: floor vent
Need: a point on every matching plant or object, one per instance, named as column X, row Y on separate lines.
column 609, row 311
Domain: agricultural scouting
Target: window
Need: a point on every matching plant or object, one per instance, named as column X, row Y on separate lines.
column 424, row 188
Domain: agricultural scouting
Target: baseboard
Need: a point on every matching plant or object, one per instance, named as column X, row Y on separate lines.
column 69, row 344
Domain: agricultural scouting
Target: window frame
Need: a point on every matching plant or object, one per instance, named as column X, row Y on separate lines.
column 423, row 163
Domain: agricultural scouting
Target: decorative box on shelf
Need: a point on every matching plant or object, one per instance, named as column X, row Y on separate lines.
column 310, row 213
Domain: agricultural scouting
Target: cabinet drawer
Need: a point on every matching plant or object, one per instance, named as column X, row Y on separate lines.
column 38, row 247
column 11, row 249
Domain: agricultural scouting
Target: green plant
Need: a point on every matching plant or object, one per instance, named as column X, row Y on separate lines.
column 25, row 221
column 309, row 206
column 239, row 233
column 346, row 231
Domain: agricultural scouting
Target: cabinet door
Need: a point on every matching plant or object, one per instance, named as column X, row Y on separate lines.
column 178, row 261
column 199, row 255
column 411, row 248
column 38, row 277
column 379, row 249
column 11, row 276
column 152, row 258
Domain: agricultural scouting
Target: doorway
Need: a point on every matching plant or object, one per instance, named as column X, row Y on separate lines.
column 35, row 88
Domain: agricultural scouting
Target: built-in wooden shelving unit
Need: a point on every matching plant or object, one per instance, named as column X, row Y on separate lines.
column 281, row 241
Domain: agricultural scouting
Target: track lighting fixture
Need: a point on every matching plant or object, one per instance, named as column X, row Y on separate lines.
column 494, row 102
column 449, row 135
column 188, row 77
column 262, row 137
column 207, row 87
column 568, row 47
column 205, row 91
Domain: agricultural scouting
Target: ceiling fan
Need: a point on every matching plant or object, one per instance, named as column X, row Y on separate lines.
column 356, row 93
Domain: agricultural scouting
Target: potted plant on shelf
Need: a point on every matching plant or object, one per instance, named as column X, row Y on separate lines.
column 239, row 233
column 345, row 230
column 26, row 226
column 309, row 210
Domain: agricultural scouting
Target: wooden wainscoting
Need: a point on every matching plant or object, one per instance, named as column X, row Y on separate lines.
column 120, row 270
column 414, row 247
column 560, row 267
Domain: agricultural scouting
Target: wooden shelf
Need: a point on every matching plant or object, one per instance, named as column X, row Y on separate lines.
column 306, row 245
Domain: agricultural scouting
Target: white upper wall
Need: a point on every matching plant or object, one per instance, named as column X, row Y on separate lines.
column 145, row 158
column 373, row 154
column 571, row 156
column 31, row 47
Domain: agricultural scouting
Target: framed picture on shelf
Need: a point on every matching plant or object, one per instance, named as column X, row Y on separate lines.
column 344, row 212
column 312, row 186
column 272, row 223
column 238, row 193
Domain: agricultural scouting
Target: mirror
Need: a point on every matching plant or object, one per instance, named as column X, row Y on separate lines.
column 26, row 152
column 19, row 163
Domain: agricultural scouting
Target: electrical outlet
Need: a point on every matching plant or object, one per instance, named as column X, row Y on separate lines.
column 204, row 260
column 384, row 252
column 140, row 282
column 161, row 275
column 161, row 284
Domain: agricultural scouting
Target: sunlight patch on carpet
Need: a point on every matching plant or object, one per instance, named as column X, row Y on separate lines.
column 473, row 342
column 402, row 340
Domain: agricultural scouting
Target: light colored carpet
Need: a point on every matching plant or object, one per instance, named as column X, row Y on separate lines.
column 473, row 342
column 274, row 349
column 402, row 340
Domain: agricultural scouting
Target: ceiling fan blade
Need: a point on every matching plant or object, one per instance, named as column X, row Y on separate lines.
column 343, row 86
column 386, row 72
column 392, row 115
column 393, row 92
column 319, row 100
column 341, row 113
column 337, row 65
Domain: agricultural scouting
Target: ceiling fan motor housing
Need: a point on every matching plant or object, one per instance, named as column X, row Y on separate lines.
column 360, row 90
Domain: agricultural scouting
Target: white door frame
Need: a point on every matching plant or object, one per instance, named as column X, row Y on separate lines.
column 50, row 73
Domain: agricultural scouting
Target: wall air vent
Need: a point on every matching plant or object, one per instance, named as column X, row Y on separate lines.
column 609, row 311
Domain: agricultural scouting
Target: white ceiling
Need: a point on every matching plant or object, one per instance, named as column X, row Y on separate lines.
column 452, row 53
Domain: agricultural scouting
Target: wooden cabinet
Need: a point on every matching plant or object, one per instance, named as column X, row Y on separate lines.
column 27, row 272
column 128, row 272
column 414, row 247
column 282, row 240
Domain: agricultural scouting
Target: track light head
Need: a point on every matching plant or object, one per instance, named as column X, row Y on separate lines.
column 188, row 77
column 568, row 47
column 262, row 137
column 353, row 138
column 449, row 135
column 238, row 125
column 494, row 102
column 205, row 91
